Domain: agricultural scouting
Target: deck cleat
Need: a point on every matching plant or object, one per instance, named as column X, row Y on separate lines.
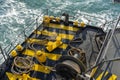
column 46, row 19
column 25, row 77
column 12, row 76
column 51, row 17
column 53, row 45
column 19, row 47
column 82, row 24
column 49, row 46
column 13, row 53
column 58, row 40
column 75, row 23
column 57, row 19
column 41, row 56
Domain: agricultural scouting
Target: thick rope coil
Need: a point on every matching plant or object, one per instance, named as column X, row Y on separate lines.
column 22, row 65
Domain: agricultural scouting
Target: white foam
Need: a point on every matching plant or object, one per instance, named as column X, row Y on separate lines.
column 13, row 20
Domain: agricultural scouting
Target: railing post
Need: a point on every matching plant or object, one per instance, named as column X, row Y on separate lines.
column 2, row 53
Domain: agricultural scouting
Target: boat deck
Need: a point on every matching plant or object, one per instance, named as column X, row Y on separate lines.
column 38, row 41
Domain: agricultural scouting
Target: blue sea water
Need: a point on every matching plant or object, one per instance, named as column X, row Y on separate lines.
column 16, row 14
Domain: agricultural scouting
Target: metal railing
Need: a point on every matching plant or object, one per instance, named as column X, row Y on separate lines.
column 4, row 52
column 79, row 16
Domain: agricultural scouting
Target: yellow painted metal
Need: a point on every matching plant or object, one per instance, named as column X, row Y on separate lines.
column 58, row 40
column 12, row 76
column 113, row 77
column 51, row 17
column 53, row 45
column 29, row 52
column 75, row 23
column 50, row 46
column 69, row 28
column 38, row 41
column 19, row 47
column 44, row 42
column 13, row 53
column 66, row 36
column 58, row 19
column 63, row 46
column 42, row 68
column 46, row 19
column 93, row 72
column 82, row 24
column 49, row 33
column 51, row 56
column 40, row 56
column 100, row 76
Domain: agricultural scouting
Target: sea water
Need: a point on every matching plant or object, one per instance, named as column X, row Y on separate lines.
column 15, row 15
